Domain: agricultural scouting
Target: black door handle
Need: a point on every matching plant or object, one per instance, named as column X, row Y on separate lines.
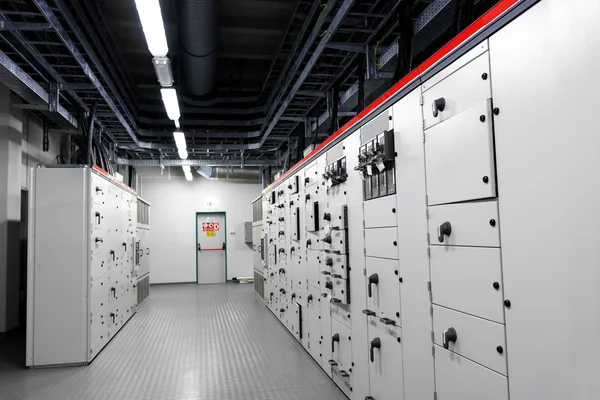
column 327, row 239
column 309, row 298
column 125, row 245
column 444, row 229
column 329, row 285
column 224, row 246
column 308, row 242
column 98, row 217
column 112, row 253
column 375, row 344
column 334, row 338
column 373, row 279
column 368, row 312
column 113, row 315
column 327, row 217
column 98, row 239
column 438, row 105
column 329, row 261
column 449, row 335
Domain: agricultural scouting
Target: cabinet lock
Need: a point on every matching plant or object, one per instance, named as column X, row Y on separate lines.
column 375, row 344
column 438, row 105
column 444, row 229
column 449, row 335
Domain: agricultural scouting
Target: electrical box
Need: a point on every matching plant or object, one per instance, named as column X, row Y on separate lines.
column 142, row 250
column 248, row 232
column 82, row 263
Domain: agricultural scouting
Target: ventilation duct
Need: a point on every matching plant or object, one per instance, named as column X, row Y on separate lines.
column 231, row 174
column 198, row 38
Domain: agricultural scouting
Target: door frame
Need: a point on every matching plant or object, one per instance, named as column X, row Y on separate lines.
column 225, row 234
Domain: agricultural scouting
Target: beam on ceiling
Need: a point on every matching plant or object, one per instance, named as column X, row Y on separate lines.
column 331, row 29
column 248, row 162
column 24, row 26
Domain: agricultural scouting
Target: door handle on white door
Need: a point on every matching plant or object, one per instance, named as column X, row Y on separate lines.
column 449, row 335
column 438, row 105
column 444, row 229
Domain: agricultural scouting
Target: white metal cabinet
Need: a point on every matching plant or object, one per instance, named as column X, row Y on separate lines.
column 461, row 85
column 459, row 378
column 465, row 278
column 314, row 349
column 98, row 296
column 382, row 242
column 310, row 175
column 385, row 361
column 472, row 224
column 383, row 288
column 477, row 339
column 313, row 297
column 341, row 346
column 460, row 157
column 341, row 313
column 98, row 333
column 380, row 212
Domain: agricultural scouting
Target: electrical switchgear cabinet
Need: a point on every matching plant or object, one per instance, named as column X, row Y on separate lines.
column 83, row 263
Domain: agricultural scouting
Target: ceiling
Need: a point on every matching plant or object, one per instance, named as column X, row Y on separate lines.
column 279, row 64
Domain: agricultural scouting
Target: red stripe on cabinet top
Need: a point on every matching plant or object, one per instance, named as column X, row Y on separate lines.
column 454, row 44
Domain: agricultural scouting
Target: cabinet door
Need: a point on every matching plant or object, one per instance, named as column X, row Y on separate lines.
column 341, row 345
column 385, row 361
column 314, row 324
column 459, row 378
column 477, row 339
column 471, row 224
column 99, row 334
column 383, row 290
column 459, row 155
column 468, row 279
column 382, row 242
column 98, row 296
column 314, row 272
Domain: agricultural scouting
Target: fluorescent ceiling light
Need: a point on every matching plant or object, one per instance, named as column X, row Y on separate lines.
column 179, row 140
column 189, row 176
column 177, row 124
column 183, row 154
column 186, row 168
column 187, row 171
column 152, row 24
column 162, row 67
column 169, row 97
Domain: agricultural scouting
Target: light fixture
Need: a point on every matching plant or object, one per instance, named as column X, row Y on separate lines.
column 177, row 125
column 162, row 67
column 153, row 26
column 183, row 153
column 181, row 144
column 187, row 171
column 169, row 97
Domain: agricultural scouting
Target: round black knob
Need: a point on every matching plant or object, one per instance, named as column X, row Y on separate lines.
column 400, row 280
column 492, row 222
column 394, row 210
column 398, row 314
column 507, row 303
column 484, row 76
column 398, row 340
column 496, row 111
column 395, row 243
column 486, row 179
column 499, row 349
column 496, row 285
column 482, row 118
column 396, row 272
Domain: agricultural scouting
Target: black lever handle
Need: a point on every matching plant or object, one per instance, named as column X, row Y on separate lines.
column 308, row 242
column 99, row 239
column 282, row 310
column 444, row 229
column 326, row 272
column 112, row 253
column 307, row 197
column 281, row 270
column 368, row 312
column 306, row 180
column 369, row 398
column 344, row 374
column 293, row 296
column 329, row 261
column 99, row 189
column 98, row 217
column 438, row 105
column 334, row 338
column 271, row 296
column 387, row 321
column 329, row 285
column 373, row 279
column 375, row 344
column 327, row 239
column 449, row 335
column 327, row 216
column 113, row 315
column 309, row 298
column 337, row 276
column 125, row 245
column 282, row 290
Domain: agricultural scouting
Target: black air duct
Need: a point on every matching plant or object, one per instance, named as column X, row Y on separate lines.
column 198, row 42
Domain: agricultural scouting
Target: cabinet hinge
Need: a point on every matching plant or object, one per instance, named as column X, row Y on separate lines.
column 427, row 213
column 431, row 311
column 364, row 271
column 432, row 336
column 428, row 251
column 429, row 286
column 433, row 351
column 421, row 100
column 428, row 238
column 426, row 200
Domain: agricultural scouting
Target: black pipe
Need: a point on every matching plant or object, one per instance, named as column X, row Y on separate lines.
column 335, row 101
column 91, row 134
column 405, row 25
column 361, row 83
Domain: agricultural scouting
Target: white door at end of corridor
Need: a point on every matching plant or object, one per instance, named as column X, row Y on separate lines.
column 212, row 257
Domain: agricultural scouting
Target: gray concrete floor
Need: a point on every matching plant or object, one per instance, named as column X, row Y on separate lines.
column 187, row 342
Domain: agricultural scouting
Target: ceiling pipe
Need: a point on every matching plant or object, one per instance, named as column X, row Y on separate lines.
column 252, row 162
column 198, row 39
column 230, row 174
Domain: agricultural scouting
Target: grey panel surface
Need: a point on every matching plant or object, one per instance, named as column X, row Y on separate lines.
column 187, row 342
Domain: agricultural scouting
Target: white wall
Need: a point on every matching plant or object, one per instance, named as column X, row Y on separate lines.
column 173, row 206
column 20, row 148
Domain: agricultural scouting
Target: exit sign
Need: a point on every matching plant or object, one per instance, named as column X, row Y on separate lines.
column 209, row 204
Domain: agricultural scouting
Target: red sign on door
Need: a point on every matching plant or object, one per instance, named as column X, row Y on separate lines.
column 210, row 226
